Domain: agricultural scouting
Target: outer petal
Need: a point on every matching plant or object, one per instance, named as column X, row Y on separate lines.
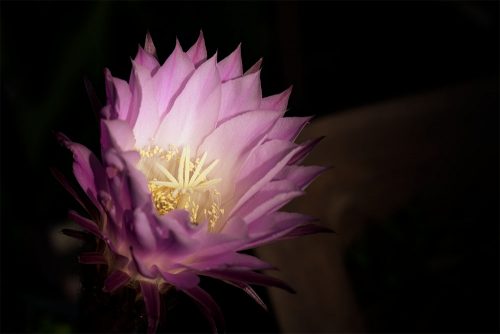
column 288, row 128
column 259, row 183
column 208, row 306
column 149, row 46
column 249, row 277
column 230, row 260
column 301, row 176
column 277, row 102
column 194, row 112
column 249, row 291
column 182, row 280
column 87, row 169
column 255, row 67
column 198, row 52
column 233, row 140
column 86, row 223
column 146, row 59
column 148, row 116
column 239, row 95
column 171, row 77
column 269, row 199
column 116, row 280
column 152, row 300
column 231, row 67
column 118, row 134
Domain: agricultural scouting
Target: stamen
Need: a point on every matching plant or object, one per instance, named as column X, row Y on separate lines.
column 198, row 168
column 191, row 190
column 204, row 174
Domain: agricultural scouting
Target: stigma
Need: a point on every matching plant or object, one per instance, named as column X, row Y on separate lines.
column 176, row 181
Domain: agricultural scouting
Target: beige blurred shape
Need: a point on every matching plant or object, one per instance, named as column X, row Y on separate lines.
column 381, row 155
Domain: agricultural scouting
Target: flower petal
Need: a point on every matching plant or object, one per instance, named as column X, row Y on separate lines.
column 117, row 133
column 288, row 128
column 230, row 260
column 249, row 291
column 146, row 59
column 182, row 280
column 301, row 176
column 86, row 223
column 306, row 148
column 171, row 78
column 231, row 67
column 149, row 46
column 198, row 52
column 263, row 180
column 249, row 277
column 277, row 102
column 239, row 95
column 255, row 67
column 152, row 300
column 208, row 306
column 87, row 169
column 270, row 198
column 234, row 139
column 148, row 115
column 116, row 280
column 119, row 96
column 184, row 124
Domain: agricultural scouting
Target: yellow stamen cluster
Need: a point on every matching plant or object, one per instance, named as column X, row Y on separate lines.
column 176, row 182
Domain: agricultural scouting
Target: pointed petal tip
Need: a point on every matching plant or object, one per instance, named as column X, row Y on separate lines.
column 149, row 46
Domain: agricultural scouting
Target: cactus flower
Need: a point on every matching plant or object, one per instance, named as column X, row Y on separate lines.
column 195, row 165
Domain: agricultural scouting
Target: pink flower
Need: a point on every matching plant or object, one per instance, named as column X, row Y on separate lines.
column 195, row 164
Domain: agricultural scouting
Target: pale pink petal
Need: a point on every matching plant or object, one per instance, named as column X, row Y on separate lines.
column 117, row 133
column 148, row 117
column 230, row 260
column 305, row 149
column 261, row 160
column 198, row 52
column 171, row 78
column 123, row 97
column 255, row 67
column 259, row 183
column 239, row 95
column 288, row 128
column 87, row 169
column 301, row 176
column 231, row 67
column 277, row 102
column 149, row 46
column 277, row 222
column 194, row 112
column 234, row 139
column 269, row 199
column 146, row 59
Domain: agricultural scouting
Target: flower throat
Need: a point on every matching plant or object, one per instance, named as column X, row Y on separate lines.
column 177, row 182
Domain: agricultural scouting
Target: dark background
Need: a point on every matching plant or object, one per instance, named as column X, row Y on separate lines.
column 338, row 55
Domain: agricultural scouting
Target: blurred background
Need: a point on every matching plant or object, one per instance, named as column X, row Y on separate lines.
column 406, row 95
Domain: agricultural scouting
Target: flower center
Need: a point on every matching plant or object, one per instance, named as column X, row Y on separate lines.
column 177, row 182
